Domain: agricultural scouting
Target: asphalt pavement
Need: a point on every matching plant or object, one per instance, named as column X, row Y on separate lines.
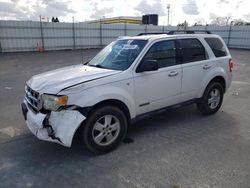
column 178, row 148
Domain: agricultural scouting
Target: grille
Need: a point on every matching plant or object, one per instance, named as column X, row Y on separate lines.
column 32, row 98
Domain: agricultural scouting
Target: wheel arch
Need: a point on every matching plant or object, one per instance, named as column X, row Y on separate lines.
column 86, row 111
column 113, row 102
column 221, row 80
column 217, row 78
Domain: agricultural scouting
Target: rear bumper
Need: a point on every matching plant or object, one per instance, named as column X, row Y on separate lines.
column 58, row 127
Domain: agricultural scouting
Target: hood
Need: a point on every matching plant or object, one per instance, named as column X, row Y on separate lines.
column 54, row 81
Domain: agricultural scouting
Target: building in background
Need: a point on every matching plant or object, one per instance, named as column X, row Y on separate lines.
column 148, row 19
column 121, row 19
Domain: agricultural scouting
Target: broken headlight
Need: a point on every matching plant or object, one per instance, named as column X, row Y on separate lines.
column 53, row 102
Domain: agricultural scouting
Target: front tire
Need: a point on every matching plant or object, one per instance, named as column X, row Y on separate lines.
column 104, row 129
column 212, row 99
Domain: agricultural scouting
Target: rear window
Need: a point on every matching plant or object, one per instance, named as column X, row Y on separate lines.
column 217, row 47
column 192, row 50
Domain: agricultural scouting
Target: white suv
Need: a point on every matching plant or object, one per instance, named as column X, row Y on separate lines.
column 130, row 77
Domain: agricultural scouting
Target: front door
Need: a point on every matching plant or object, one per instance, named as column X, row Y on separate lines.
column 160, row 88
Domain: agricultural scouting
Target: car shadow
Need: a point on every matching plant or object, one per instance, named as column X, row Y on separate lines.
column 171, row 123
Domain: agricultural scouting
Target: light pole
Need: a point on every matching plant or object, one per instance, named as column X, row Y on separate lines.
column 168, row 7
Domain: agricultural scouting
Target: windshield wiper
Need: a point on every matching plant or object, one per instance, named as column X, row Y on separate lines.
column 85, row 63
column 97, row 65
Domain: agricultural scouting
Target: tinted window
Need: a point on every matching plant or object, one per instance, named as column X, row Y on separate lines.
column 192, row 50
column 164, row 52
column 217, row 47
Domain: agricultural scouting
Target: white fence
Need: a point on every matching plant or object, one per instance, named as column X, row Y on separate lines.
column 35, row 36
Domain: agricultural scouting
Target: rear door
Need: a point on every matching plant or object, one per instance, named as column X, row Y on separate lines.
column 195, row 65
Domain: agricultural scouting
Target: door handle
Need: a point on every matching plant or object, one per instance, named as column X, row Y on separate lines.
column 207, row 67
column 173, row 73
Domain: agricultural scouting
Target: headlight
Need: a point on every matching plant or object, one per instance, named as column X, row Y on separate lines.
column 52, row 102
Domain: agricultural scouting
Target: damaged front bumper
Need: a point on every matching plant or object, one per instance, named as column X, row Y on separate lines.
column 58, row 127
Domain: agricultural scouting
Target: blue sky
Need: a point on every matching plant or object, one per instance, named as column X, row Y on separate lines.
column 202, row 11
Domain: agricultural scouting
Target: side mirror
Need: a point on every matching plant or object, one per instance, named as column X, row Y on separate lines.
column 147, row 65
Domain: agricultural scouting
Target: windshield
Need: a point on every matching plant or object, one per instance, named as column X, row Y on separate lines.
column 118, row 55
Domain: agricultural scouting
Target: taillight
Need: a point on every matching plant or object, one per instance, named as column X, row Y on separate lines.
column 231, row 65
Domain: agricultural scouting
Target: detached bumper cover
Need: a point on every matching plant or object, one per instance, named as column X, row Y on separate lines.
column 63, row 125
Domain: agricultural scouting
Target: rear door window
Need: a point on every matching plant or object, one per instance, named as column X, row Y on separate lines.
column 217, row 47
column 192, row 50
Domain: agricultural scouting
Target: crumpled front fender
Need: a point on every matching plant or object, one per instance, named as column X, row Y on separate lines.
column 65, row 123
column 60, row 127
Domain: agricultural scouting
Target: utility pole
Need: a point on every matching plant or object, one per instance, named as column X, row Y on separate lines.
column 168, row 7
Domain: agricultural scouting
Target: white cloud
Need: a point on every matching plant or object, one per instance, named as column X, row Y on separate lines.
column 190, row 10
column 153, row 7
column 30, row 10
column 101, row 12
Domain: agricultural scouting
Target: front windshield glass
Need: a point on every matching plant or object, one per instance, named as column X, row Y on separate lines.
column 118, row 55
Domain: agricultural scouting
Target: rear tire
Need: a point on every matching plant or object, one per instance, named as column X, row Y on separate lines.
column 212, row 99
column 104, row 129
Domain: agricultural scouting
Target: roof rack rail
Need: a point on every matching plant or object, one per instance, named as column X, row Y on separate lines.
column 177, row 31
column 140, row 34
column 188, row 31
